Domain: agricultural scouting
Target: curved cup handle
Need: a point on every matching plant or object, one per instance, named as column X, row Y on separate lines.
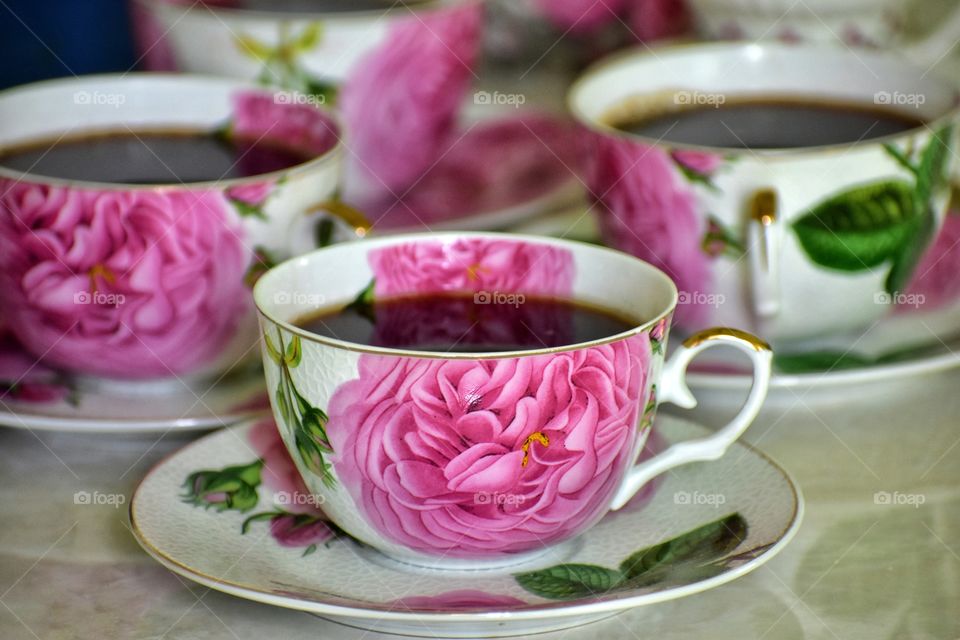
column 674, row 389
column 763, row 253
column 324, row 224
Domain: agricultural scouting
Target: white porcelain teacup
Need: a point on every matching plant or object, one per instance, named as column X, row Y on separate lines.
column 471, row 459
column 147, row 281
column 856, row 23
column 792, row 243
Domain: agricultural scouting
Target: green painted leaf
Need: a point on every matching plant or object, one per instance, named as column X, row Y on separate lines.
column 931, row 173
column 309, row 550
column 819, row 361
column 222, row 489
column 363, row 303
column 323, row 233
column 860, row 228
column 253, row 48
column 257, row 517
column 293, row 353
column 247, row 210
column 309, row 37
column 701, row 545
column 272, row 350
column 283, row 405
column 566, row 581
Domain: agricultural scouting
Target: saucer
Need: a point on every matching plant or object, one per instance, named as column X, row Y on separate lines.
column 121, row 407
column 497, row 171
column 205, row 514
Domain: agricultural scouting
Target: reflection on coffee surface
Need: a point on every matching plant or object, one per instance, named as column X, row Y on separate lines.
column 151, row 157
column 467, row 323
column 771, row 123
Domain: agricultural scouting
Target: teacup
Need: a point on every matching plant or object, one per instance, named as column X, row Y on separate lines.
column 398, row 73
column 147, row 281
column 465, row 459
column 871, row 23
column 791, row 243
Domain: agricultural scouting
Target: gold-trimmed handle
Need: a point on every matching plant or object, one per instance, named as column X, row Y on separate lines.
column 763, row 250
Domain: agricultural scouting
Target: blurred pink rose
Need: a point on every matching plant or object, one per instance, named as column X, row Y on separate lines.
column 647, row 209
column 256, row 114
column 401, row 103
column 702, row 162
column 253, row 194
column 153, row 49
column 457, row 600
column 491, row 166
column 656, row 19
column 473, row 458
column 937, row 277
column 137, row 283
column 472, row 264
column 279, row 473
column 581, row 16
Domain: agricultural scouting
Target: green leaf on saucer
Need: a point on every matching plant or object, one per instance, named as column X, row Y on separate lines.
column 860, row 228
column 819, row 361
column 566, row 581
column 697, row 547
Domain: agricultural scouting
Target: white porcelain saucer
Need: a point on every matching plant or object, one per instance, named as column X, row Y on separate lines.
column 204, row 514
column 118, row 407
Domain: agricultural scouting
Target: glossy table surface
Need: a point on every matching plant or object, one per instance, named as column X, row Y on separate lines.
column 859, row 568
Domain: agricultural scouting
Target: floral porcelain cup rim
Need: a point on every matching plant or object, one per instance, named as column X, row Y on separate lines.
column 643, row 54
column 266, row 284
column 178, row 82
column 409, row 6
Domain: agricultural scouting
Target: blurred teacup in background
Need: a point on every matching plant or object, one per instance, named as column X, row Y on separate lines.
column 136, row 210
column 792, row 209
column 398, row 72
column 903, row 24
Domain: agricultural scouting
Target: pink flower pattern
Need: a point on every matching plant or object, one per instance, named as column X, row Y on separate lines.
column 937, row 277
column 256, row 115
column 648, row 209
column 135, row 283
column 457, row 600
column 401, row 102
column 472, row 264
column 486, row 457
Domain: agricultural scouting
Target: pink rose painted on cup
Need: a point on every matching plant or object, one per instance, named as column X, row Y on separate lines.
column 937, row 277
column 484, row 457
column 252, row 194
column 472, row 264
column 647, row 209
column 457, row 600
column 292, row 530
column 140, row 284
column 400, row 104
column 702, row 163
